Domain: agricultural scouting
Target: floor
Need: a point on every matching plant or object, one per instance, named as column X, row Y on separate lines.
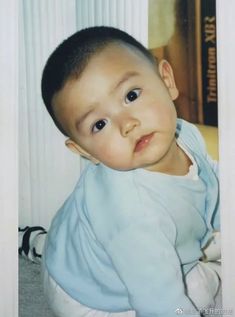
column 31, row 299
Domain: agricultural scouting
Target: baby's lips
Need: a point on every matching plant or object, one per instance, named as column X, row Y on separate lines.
column 143, row 142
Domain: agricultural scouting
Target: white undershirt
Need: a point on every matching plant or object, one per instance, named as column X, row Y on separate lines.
column 193, row 169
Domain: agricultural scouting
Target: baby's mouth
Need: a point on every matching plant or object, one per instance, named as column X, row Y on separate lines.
column 143, row 142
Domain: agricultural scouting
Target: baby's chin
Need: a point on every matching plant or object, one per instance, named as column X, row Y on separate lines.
column 125, row 167
column 120, row 167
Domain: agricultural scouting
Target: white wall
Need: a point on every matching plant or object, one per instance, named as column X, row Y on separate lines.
column 8, row 159
column 226, row 94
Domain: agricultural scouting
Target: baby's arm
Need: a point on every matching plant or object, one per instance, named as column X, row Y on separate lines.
column 199, row 143
column 148, row 265
column 214, row 164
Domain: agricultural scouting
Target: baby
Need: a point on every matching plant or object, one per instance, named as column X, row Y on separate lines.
column 128, row 240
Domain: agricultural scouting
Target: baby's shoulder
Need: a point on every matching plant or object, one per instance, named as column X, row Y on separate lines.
column 103, row 180
column 190, row 136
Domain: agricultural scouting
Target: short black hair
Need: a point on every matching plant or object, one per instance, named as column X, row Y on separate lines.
column 71, row 57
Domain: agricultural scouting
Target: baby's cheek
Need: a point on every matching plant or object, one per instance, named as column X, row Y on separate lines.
column 114, row 155
column 110, row 152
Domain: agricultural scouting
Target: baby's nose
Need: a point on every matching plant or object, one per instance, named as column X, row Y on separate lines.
column 128, row 125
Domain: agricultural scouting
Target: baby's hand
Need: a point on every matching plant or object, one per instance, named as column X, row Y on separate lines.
column 212, row 250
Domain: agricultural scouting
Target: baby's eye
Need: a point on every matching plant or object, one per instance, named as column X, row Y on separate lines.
column 99, row 125
column 132, row 95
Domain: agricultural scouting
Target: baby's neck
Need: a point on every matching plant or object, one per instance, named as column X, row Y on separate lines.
column 176, row 162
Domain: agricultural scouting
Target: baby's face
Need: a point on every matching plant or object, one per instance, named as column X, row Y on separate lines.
column 120, row 110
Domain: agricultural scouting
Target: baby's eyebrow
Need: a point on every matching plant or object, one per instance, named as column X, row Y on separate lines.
column 125, row 78
column 83, row 117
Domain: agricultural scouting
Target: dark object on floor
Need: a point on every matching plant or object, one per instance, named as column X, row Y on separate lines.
column 29, row 239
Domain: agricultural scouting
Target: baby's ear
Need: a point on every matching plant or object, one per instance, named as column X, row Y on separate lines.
column 167, row 75
column 77, row 149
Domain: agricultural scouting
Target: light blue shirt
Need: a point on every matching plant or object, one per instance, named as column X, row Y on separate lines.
column 125, row 240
